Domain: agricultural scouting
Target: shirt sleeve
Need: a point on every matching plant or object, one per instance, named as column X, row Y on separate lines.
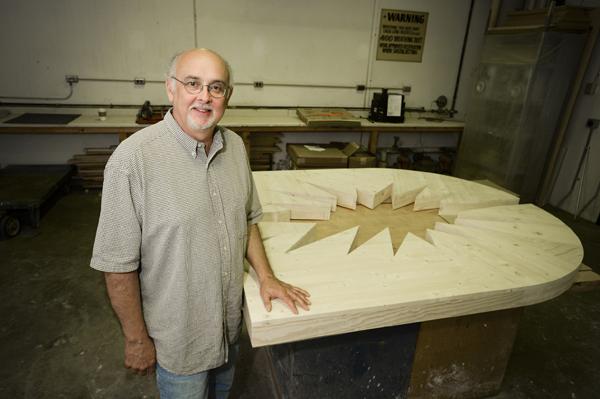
column 118, row 237
column 254, row 207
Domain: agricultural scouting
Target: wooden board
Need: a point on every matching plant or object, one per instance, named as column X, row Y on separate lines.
column 90, row 166
column 586, row 279
column 463, row 357
column 285, row 191
column 370, row 268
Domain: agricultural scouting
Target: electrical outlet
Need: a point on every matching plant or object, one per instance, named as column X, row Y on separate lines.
column 258, row 84
column 593, row 123
column 72, row 79
column 139, row 81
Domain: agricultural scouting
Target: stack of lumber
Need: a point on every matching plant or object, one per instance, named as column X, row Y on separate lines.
column 465, row 248
column 90, row 166
column 262, row 148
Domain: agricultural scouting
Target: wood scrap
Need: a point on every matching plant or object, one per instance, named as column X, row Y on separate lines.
column 90, row 166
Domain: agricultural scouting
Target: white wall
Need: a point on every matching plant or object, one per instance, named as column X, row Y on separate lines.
column 275, row 41
column 45, row 40
column 284, row 41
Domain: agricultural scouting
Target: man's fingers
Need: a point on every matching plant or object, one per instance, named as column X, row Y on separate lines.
column 292, row 296
column 297, row 298
column 300, row 300
column 291, row 304
column 266, row 298
column 137, row 369
column 303, row 292
column 303, row 305
column 302, row 296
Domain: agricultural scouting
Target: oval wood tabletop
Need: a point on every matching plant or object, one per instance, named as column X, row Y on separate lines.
column 382, row 247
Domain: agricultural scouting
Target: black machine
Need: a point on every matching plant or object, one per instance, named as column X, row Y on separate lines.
column 387, row 107
column 145, row 113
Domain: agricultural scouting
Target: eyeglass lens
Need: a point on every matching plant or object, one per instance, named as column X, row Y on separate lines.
column 216, row 89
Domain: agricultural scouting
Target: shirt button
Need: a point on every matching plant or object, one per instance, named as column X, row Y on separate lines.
column 214, row 193
column 220, row 222
column 225, row 247
column 193, row 153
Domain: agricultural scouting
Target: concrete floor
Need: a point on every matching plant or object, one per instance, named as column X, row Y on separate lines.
column 60, row 339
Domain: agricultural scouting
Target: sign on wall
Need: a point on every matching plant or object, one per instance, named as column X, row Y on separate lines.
column 401, row 35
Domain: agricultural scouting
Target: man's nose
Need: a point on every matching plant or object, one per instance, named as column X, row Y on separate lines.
column 203, row 94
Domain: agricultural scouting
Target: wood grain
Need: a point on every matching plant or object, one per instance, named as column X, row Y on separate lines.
column 369, row 268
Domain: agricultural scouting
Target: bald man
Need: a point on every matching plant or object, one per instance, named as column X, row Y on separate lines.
column 179, row 213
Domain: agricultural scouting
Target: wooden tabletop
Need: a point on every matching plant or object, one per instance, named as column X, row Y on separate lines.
column 443, row 247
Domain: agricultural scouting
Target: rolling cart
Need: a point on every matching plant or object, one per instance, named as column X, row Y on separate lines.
column 25, row 193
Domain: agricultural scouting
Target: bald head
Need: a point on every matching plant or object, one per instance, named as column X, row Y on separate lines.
column 204, row 52
column 193, row 89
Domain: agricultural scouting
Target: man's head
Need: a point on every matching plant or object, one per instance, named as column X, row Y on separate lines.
column 193, row 75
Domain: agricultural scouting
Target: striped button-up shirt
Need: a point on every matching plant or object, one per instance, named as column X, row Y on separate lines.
column 180, row 217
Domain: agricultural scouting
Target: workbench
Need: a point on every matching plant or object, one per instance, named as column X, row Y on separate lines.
column 426, row 269
column 245, row 122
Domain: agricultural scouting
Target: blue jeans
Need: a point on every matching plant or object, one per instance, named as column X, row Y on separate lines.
column 197, row 386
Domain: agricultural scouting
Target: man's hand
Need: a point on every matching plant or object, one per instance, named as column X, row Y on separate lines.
column 140, row 355
column 271, row 288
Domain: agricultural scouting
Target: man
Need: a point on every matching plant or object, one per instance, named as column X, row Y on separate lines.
column 179, row 213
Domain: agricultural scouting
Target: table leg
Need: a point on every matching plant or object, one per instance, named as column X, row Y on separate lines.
column 367, row 364
column 463, row 357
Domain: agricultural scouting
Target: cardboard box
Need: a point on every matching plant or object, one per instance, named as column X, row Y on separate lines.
column 329, row 117
column 307, row 156
column 362, row 160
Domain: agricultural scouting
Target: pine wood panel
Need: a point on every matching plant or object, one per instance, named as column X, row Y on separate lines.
column 369, row 268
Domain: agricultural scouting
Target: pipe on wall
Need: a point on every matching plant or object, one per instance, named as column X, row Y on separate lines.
column 43, row 98
column 460, row 63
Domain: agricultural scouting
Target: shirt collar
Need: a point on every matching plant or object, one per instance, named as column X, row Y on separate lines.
column 191, row 145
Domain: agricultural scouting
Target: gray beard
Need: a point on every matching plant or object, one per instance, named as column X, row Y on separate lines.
column 197, row 127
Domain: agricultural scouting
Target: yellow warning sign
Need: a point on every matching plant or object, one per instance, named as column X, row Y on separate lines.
column 401, row 35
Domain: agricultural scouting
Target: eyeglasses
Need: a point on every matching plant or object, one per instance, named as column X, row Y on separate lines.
column 216, row 89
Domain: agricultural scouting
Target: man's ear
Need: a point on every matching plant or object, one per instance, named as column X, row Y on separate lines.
column 170, row 88
column 229, row 93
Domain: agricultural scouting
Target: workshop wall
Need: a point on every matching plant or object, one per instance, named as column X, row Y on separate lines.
column 588, row 187
column 312, row 42
column 107, row 39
